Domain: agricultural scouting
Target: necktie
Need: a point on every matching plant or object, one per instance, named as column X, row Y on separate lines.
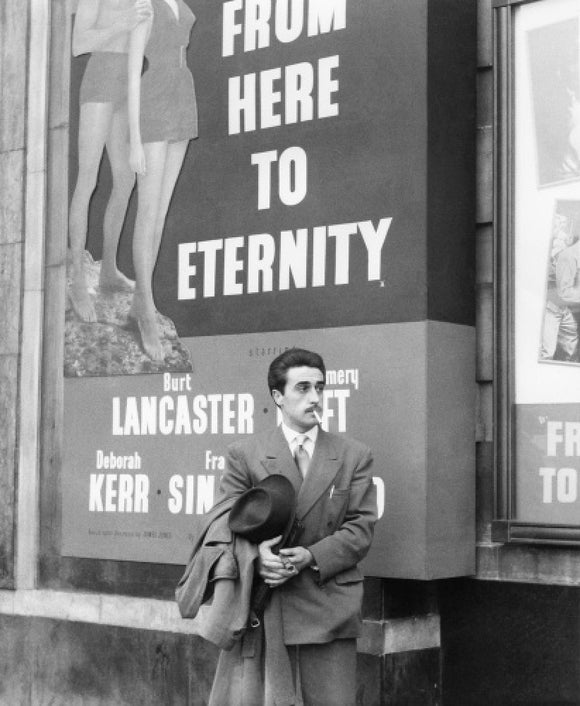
column 301, row 455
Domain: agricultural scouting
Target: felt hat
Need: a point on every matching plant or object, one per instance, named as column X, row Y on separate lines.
column 265, row 511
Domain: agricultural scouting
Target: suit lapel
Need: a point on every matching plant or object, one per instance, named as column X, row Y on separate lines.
column 278, row 459
column 322, row 471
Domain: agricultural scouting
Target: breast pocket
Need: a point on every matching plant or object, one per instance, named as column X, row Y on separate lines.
column 335, row 509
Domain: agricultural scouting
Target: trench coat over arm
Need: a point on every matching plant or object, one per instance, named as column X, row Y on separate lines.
column 216, row 588
column 336, row 504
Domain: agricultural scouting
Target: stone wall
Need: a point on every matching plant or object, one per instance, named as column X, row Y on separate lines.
column 13, row 62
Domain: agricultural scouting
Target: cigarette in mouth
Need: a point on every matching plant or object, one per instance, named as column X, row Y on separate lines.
column 315, row 413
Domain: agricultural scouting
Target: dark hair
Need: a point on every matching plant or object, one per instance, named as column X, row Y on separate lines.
column 292, row 358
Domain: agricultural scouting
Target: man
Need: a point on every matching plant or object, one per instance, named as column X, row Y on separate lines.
column 560, row 332
column 318, row 583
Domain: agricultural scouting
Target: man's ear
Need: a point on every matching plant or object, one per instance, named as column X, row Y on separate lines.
column 276, row 395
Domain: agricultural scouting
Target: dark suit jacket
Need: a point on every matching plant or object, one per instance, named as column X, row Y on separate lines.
column 336, row 503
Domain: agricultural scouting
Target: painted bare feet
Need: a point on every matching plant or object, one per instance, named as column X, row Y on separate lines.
column 81, row 301
column 146, row 321
column 115, row 282
column 150, row 337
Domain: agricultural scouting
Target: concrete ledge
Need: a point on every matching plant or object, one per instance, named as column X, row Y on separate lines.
column 400, row 635
column 102, row 609
column 531, row 563
column 378, row 638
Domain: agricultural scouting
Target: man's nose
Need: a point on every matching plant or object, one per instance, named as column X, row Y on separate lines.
column 314, row 395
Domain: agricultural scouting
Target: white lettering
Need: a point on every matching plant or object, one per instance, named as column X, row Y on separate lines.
column 95, row 489
column 122, row 493
column 293, row 176
column 261, row 253
column 229, row 27
column 290, row 252
column 289, row 22
column 175, row 502
column 327, row 85
column 554, row 436
column 374, row 241
column 325, row 16
column 249, row 97
column 185, row 270
column 178, row 488
column 232, row 266
column 205, row 493
column 298, row 87
column 269, row 98
column 319, row 256
column 293, row 258
column 209, row 248
column 241, row 104
column 256, row 23
column 547, row 475
column 290, row 19
column 342, row 234
column 264, row 161
column 567, row 485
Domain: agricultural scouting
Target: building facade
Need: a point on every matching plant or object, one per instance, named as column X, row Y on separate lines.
column 387, row 228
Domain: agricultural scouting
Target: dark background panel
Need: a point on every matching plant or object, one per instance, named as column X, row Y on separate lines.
column 367, row 163
column 509, row 644
column 451, row 161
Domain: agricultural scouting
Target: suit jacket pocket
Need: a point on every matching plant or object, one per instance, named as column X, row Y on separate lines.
column 194, row 586
column 335, row 509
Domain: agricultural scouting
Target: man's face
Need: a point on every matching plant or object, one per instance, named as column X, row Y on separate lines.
column 302, row 395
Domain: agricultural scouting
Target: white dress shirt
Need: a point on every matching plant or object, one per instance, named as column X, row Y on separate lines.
column 292, row 438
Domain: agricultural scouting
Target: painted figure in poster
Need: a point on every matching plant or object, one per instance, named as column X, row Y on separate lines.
column 572, row 157
column 554, row 69
column 560, row 327
column 162, row 121
column 102, row 28
column 313, row 617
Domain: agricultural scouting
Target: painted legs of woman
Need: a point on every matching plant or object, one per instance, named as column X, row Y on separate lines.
column 155, row 188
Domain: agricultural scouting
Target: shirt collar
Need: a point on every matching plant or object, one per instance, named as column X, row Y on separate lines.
column 291, row 435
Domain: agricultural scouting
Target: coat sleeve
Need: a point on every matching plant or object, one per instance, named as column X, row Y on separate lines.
column 350, row 543
column 236, row 478
column 567, row 280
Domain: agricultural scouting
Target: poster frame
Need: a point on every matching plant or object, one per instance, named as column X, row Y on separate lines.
column 506, row 527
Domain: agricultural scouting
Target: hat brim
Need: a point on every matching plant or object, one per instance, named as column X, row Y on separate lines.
column 265, row 511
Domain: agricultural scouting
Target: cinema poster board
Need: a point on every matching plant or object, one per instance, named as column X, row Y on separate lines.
column 539, row 303
column 307, row 213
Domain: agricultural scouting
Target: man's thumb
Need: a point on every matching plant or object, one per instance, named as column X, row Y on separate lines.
column 271, row 542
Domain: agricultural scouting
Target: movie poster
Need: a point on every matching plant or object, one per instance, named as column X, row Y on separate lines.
column 547, row 261
column 280, row 150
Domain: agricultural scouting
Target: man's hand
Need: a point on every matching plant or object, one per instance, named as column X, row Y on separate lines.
column 274, row 569
column 300, row 557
